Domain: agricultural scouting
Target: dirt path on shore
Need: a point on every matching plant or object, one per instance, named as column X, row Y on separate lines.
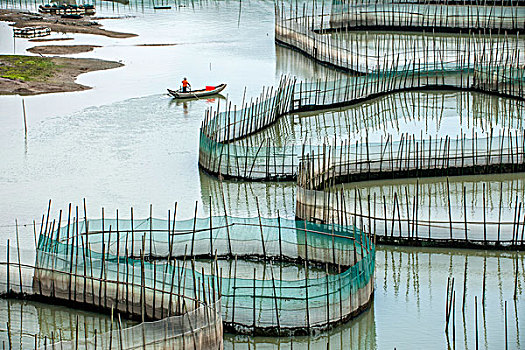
column 60, row 76
column 58, row 24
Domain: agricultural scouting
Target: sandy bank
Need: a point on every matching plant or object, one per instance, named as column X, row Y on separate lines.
column 61, row 49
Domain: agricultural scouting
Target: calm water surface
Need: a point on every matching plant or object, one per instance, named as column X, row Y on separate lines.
column 125, row 144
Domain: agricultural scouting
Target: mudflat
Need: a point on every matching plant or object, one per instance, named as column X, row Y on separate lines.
column 33, row 75
column 61, row 49
column 42, row 40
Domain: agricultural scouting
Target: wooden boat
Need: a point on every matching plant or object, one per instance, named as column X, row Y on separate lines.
column 208, row 91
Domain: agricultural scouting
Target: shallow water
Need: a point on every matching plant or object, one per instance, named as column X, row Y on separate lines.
column 125, row 143
column 491, row 199
column 136, row 150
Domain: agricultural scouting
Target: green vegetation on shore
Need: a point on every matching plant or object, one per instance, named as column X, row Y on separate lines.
column 26, row 68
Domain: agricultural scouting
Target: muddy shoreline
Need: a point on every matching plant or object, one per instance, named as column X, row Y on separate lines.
column 43, row 40
column 61, row 78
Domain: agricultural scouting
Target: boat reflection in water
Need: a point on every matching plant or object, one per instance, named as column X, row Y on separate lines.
column 185, row 103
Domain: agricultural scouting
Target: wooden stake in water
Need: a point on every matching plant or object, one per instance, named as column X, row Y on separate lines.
column 506, row 335
column 476, row 318
column 261, row 228
column 19, row 262
column 516, row 279
column 25, row 118
column 275, row 301
column 194, row 226
column 454, row 320
column 254, row 320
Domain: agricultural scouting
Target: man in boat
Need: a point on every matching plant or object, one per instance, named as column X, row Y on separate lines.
column 185, row 85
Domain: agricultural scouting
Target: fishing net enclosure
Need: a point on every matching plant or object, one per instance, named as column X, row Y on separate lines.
column 274, row 303
column 342, row 49
column 197, row 329
column 71, row 274
column 170, row 274
column 319, row 199
column 261, row 160
column 421, row 15
column 429, row 61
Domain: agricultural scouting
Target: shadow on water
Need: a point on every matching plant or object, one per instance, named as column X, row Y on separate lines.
column 212, row 99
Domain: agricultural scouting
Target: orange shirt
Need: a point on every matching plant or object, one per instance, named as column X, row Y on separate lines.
column 184, row 83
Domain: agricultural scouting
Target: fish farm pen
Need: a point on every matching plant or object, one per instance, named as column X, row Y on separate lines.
column 148, row 270
column 372, row 166
column 71, row 271
column 219, row 154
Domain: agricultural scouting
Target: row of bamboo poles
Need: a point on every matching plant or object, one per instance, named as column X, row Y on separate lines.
column 476, row 63
column 413, row 156
column 453, row 16
column 484, row 71
column 19, row 331
column 201, row 327
column 431, row 113
column 232, row 124
column 434, row 2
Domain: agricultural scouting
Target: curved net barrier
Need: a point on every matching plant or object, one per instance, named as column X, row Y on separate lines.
column 400, row 116
column 232, row 124
column 492, row 65
column 262, row 160
column 197, row 329
column 444, row 16
column 415, row 222
column 336, row 266
column 391, row 64
column 369, row 53
column 72, row 274
column 412, row 156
